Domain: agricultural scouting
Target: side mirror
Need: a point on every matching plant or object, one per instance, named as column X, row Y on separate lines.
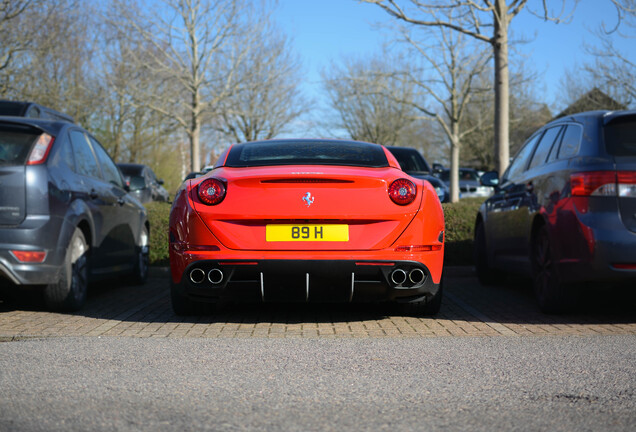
column 490, row 178
column 160, row 181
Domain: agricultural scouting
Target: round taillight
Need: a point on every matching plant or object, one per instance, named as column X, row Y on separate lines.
column 402, row 191
column 211, row 191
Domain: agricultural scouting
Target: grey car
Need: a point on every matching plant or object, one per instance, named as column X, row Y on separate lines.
column 66, row 217
column 469, row 184
column 143, row 183
column 564, row 212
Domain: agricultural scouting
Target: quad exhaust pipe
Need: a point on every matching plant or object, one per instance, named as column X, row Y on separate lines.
column 417, row 276
column 197, row 275
column 215, row 276
column 400, row 278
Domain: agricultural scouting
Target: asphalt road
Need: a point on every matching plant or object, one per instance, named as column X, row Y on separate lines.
column 526, row 383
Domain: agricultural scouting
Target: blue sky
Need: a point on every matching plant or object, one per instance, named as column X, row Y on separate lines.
column 329, row 30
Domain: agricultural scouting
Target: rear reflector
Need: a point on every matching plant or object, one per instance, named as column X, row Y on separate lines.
column 29, row 256
column 624, row 266
column 41, row 150
column 418, row 248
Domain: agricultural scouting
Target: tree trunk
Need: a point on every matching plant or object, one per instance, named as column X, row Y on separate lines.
column 502, row 83
column 195, row 133
column 454, row 165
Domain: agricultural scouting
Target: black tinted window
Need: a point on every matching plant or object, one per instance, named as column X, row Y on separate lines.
column 571, row 141
column 620, row 136
column 546, row 143
column 410, row 160
column 306, row 153
column 63, row 157
column 109, row 169
column 85, row 162
column 15, row 143
column 520, row 161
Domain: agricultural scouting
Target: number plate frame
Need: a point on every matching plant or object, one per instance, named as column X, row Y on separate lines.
column 306, row 232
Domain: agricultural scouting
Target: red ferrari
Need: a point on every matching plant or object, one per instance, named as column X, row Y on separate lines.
column 309, row 221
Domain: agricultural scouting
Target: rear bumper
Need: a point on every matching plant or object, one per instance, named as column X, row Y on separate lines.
column 599, row 249
column 293, row 280
column 612, row 259
column 36, row 233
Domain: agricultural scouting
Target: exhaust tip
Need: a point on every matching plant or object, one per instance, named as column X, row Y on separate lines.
column 197, row 275
column 417, row 276
column 398, row 276
column 215, row 276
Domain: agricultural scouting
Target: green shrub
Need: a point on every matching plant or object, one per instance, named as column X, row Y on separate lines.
column 459, row 217
column 158, row 216
column 460, row 222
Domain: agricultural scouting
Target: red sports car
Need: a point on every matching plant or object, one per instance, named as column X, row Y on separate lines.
column 310, row 221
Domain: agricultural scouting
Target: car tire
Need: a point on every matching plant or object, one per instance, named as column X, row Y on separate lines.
column 68, row 294
column 183, row 305
column 551, row 293
column 486, row 274
column 142, row 260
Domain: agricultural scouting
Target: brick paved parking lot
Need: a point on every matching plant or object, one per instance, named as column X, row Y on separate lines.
column 468, row 309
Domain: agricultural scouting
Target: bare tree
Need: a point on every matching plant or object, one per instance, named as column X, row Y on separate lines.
column 371, row 98
column 267, row 98
column 57, row 68
column 612, row 70
column 12, row 40
column 445, row 82
column 193, row 47
column 487, row 21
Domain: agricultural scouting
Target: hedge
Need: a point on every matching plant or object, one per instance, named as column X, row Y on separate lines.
column 459, row 217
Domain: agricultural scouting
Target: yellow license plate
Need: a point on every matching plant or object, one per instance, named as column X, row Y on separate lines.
column 275, row 233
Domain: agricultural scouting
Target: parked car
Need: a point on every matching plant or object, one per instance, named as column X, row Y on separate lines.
column 65, row 215
column 308, row 221
column 413, row 163
column 565, row 209
column 143, row 183
column 195, row 174
column 31, row 110
column 469, row 183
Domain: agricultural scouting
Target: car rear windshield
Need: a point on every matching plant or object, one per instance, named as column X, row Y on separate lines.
column 306, row 153
column 15, row 143
column 620, row 136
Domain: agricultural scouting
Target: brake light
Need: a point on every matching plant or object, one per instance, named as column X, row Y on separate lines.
column 29, row 256
column 402, row 191
column 604, row 183
column 211, row 191
column 41, row 149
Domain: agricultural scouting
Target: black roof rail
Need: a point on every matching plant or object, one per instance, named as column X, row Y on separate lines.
column 33, row 110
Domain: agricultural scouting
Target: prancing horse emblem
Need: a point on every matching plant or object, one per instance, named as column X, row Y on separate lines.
column 309, row 200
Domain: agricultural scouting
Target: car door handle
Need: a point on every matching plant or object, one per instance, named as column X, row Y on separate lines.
column 93, row 194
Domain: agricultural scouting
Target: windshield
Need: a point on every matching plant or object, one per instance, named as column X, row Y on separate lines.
column 15, row 143
column 410, row 160
column 306, row 153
